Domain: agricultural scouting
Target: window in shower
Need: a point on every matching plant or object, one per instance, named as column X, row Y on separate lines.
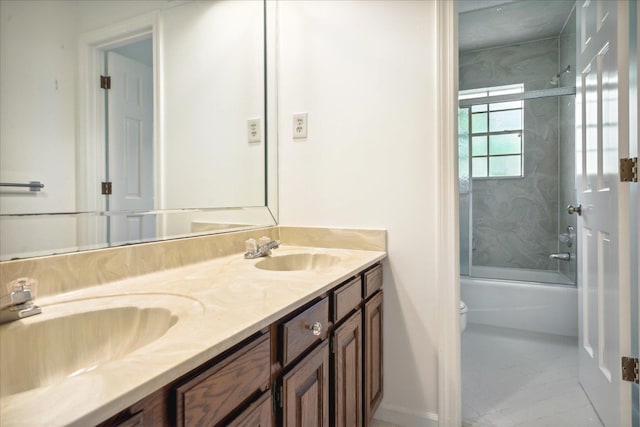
column 495, row 130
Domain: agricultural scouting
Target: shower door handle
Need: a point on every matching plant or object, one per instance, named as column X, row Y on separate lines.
column 574, row 209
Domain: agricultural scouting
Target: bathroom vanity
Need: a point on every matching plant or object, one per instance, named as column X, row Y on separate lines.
column 298, row 342
column 308, row 368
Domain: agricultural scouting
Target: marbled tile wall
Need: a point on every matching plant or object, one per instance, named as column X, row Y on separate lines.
column 515, row 220
column 567, row 141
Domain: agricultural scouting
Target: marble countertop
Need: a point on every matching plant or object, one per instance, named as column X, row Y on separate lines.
column 222, row 302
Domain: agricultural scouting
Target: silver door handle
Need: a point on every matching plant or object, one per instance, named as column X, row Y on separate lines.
column 574, row 209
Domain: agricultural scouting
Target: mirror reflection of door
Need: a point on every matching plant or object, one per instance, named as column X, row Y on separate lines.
column 129, row 148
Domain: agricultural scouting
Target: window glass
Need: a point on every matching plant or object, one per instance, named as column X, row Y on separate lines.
column 463, row 121
column 479, row 123
column 505, row 144
column 463, row 150
column 505, row 165
column 479, row 146
column 495, row 133
column 479, row 167
column 505, row 120
column 504, row 105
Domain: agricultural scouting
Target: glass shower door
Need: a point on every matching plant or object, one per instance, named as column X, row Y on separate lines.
column 513, row 219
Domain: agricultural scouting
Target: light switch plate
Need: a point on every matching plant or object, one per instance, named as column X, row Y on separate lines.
column 300, row 125
column 254, row 131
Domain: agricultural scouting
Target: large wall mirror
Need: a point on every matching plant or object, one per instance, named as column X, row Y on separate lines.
column 141, row 120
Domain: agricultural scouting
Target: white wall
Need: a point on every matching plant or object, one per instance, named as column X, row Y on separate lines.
column 212, row 71
column 365, row 71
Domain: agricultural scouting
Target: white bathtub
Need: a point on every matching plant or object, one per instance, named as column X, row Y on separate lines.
column 530, row 306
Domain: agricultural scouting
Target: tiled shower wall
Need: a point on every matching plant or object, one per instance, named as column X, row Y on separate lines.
column 515, row 220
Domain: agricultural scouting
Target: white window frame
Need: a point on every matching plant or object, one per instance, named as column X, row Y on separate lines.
column 487, row 92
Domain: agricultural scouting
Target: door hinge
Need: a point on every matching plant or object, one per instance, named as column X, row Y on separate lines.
column 105, row 82
column 106, row 188
column 630, row 371
column 629, row 170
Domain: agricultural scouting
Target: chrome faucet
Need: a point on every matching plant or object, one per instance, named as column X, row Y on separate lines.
column 563, row 256
column 19, row 302
column 260, row 248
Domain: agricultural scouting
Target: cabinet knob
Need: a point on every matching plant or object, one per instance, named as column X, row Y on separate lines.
column 316, row 328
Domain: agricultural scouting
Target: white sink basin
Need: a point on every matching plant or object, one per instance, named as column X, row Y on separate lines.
column 297, row 262
column 72, row 338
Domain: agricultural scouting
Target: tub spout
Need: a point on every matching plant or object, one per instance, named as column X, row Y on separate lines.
column 563, row 256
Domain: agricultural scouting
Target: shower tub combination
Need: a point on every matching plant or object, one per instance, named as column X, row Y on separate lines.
column 530, row 306
column 517, row 240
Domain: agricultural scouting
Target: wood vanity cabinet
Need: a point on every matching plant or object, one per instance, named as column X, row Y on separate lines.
column 319, row 366
column 231, row 389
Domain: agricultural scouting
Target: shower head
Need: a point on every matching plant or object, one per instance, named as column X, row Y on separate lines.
column 556, row 79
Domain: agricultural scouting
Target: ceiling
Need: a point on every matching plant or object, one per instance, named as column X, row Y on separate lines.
column 488, row 23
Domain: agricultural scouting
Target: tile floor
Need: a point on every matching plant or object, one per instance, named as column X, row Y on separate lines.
column 515, row 378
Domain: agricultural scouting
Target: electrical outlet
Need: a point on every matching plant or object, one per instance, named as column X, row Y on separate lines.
column 254, row 133
column 299, row 125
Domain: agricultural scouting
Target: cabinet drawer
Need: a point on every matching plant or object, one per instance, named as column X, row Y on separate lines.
column 372, row 281
column 258, row 414
column 298, row 333
column 346, row 299
column 212, row 395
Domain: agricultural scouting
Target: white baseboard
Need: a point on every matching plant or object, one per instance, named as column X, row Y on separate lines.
column 406, row 417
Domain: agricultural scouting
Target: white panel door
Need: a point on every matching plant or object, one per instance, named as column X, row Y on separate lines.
column 130, row 158
column 597, row 182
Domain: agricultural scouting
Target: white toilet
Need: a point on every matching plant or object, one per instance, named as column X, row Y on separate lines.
column 463, row 316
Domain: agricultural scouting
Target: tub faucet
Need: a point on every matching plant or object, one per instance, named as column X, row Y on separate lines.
column 563, row 256
column 19, row 302
column 261, row 248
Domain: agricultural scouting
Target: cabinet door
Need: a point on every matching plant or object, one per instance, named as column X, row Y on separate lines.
column 305, row 391
column 372, row 356
column 347, row 362
column 258, row 414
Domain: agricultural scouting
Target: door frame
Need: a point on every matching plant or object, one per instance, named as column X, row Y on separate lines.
column 449, row 375
column 91, row 131
column 448, row 274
